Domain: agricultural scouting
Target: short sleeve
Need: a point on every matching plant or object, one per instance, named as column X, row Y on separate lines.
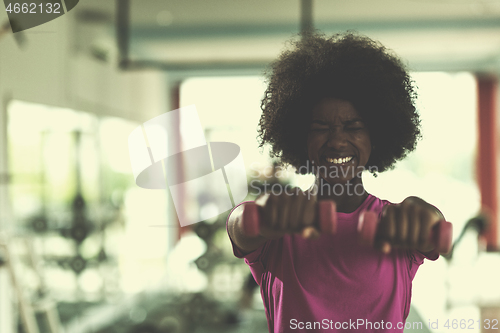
column 432, row 255
column 416, row 259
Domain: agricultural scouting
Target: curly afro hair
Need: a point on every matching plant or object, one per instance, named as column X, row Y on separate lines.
column 348, row 67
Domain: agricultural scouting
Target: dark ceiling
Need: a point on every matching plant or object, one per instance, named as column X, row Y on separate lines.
column 245, row 35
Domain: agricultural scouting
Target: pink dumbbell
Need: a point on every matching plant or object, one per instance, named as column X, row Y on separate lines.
column 327, row 217
column 441, row 233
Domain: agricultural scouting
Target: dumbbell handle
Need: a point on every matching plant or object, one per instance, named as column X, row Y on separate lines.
column 440, row 234
column 327, row 217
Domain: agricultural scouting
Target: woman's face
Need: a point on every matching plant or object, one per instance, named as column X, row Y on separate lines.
column 338, row 141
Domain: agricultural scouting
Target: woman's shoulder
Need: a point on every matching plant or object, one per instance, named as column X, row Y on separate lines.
column 374, row 203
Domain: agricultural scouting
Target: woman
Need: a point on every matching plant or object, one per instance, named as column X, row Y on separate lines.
column 335, row 107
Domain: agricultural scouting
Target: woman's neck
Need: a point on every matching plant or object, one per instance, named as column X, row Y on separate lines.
column 348, row 196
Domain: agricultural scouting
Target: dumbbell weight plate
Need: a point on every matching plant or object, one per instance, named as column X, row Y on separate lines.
column 367, row 227
column 443, row 237
column 327, row 211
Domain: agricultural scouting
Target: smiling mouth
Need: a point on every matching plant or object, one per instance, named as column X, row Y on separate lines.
column 340, row 160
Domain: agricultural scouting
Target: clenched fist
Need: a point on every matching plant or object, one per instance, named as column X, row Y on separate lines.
column 407, row 225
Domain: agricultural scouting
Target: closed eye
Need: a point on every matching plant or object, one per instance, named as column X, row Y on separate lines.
column 319, row 129
column 354, row 123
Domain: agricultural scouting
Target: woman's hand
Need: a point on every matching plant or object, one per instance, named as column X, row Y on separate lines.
column 289, row 212
column 407, row 225
column 292, row 212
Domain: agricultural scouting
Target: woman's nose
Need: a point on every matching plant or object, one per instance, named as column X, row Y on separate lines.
column 337, row 138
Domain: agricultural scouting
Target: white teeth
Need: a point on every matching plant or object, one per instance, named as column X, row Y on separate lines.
column 339, row 160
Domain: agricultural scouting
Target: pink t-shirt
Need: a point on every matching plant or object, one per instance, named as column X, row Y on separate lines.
column 333, row 284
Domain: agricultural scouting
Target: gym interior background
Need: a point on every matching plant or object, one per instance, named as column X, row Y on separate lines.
column 84, row 249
